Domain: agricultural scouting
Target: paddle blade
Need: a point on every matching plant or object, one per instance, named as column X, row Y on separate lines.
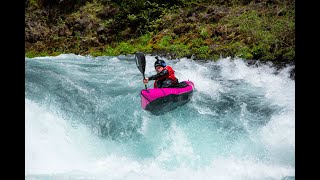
column 141, row 62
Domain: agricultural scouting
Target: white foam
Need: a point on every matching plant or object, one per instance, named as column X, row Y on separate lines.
column 53, row 145
column 279, row 137
column 279, row 133
column 176, row 149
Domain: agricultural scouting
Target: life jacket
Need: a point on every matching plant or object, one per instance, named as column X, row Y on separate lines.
column 169, row 76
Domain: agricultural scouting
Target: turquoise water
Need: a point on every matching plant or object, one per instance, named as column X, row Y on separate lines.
column 84, row 121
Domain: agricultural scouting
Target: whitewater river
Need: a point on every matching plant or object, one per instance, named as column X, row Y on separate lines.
column 83, row 120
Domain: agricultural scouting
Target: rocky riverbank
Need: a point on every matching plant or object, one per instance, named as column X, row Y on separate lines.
column 262, row 30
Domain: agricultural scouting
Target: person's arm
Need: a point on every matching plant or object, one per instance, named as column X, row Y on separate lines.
column 162, row 73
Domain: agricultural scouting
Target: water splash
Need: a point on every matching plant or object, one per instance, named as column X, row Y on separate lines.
column 84, row 120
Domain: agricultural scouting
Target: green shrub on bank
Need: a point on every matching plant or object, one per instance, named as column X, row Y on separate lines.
column 125, row 48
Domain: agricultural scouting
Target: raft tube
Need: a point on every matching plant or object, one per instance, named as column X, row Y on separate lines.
column 159, row 100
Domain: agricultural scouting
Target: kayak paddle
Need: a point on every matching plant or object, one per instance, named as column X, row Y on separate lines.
column 141, row 63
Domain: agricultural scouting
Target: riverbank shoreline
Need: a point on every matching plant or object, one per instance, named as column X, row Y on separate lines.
column 253, row 30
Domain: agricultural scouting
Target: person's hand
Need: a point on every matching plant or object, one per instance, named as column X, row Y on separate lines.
column 145, row 81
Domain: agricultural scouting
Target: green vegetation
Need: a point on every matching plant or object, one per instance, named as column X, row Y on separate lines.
column 263, row 30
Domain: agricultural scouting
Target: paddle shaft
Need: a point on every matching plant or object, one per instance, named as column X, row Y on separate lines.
column 145, row 84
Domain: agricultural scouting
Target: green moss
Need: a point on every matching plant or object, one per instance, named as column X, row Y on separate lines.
column 204, row 32
column 107, row 22
column 215, row 57
column 144, row 39
column 132, row 17
column 165, row 42
column 180, row 49
column 125, row 48
column 97, row 53
column 290, row 54
column 30, row 54
column 262, row 31
column 145, row 48
column 202, row 52
column 109, row 51
column 34, row 3
column 55, row 53
column 244, row 52
column 196, row 42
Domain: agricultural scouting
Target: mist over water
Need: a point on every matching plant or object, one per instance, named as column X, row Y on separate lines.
column 84, row 121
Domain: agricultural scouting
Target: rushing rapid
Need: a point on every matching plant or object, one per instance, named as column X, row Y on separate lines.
column 84, row 121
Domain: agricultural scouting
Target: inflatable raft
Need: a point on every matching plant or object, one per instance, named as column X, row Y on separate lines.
column 160, row 100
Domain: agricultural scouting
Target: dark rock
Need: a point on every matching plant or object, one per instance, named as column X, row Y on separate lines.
column 293, row 74
column 200, row 8
column 245, row 2
column 108, row 12
column 93, row 42
column 102, row 39
column 181, row 29
column 81, row 24
column 101, row 30
column 64, row 31
column 277, row 65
